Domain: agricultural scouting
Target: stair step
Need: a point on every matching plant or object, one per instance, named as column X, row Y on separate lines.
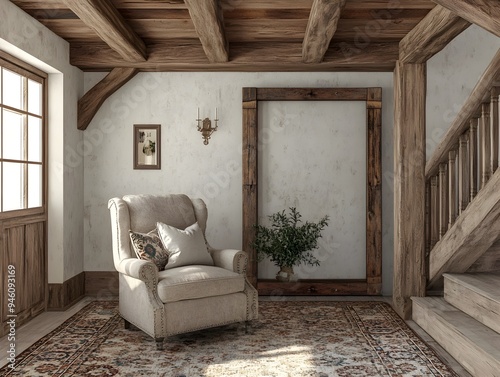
column 478, row 295
column 475, row 346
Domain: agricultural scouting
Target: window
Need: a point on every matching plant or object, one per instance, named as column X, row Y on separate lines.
column 22, row 136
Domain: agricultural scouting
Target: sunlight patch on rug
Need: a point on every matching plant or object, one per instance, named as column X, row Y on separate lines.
column 316, row 339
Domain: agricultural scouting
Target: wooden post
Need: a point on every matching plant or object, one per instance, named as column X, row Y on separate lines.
column 452, row 189
column 485, row 143
column 443, row 200
column 434, row 210
column 473, row 168
column 409, row 185
column 463, row 173
column 250, row 120
column 494, row 128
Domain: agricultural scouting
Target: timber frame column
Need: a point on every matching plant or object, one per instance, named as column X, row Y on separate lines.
column 409, row 185
column 250, row 193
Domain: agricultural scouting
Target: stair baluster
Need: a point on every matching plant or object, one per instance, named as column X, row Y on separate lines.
column 463, row 172
column 434, row 211
column 452, row 199
column 485, row 143
column 473, row 155
column 443, row 200
column 494, row 128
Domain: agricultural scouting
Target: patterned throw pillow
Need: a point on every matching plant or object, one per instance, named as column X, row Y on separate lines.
column 149, row 247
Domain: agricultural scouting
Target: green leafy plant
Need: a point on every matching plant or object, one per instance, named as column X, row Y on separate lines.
column 149, row 149
column 287, row 242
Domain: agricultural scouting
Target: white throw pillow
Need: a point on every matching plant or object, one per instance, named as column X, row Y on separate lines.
column 185, row 247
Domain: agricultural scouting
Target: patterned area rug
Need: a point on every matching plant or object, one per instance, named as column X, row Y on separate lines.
column 316, row 339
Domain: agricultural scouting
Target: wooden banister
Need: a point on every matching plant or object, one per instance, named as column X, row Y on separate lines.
column 458, row 177
column 481, row 93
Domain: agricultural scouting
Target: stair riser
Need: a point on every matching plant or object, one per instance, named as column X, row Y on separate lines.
column 469, row 356
column 479, row 307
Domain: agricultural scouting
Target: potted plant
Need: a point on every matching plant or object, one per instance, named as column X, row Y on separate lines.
column 287, row 242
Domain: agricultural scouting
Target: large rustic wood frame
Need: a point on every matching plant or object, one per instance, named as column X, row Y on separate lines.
column 373, row 98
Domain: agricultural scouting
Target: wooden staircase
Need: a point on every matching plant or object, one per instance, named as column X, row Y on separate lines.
column 462, row 233
column 466, row 322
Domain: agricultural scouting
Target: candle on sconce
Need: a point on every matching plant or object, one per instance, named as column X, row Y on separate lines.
column 215, row 113
column 198, row 114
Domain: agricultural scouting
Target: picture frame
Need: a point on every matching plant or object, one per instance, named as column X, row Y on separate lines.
column 147, row 146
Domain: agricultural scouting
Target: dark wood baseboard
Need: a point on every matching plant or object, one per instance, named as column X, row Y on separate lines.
column 62, row 296
column 101, row 283
column 315, row 288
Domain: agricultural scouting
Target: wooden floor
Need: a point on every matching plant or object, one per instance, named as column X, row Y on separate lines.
column 48, row 321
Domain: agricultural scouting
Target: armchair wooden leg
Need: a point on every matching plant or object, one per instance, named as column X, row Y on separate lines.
column 159, row 344
column 248, row 327
column 128, row 325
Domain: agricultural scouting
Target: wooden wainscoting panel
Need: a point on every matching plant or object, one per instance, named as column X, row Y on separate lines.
column 13, row 255
column 269, row 287
column 35, row 265
column 101, row 283
column 62, row 296
column 24, row 248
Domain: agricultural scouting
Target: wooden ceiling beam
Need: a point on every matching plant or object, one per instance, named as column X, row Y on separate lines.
column 484, row 13
column 208, row 21
column 431, row 35
column 91, row 102
column 269, row 57
column 110, row 26
column 321, row 27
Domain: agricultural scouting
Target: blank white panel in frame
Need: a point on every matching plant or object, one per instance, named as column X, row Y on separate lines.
column 312, row 155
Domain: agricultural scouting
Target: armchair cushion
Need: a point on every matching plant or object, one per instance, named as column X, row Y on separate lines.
column 185, row 247
column 192, row 282
column 149, row 247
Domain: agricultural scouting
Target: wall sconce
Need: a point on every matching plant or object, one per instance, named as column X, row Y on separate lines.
column 206, row 128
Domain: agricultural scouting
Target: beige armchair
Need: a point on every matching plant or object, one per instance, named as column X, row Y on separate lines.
column 180, row 299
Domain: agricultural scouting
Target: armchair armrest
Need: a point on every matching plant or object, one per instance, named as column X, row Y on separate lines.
column 230, row 259
column 140, row 269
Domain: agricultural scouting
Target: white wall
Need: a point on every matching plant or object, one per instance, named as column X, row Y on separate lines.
column 27, row 39
column 451, row 76
column 212, row 172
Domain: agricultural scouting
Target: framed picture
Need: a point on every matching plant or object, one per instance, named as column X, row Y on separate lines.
column 147, row 146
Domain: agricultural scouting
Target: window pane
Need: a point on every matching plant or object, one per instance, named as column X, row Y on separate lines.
column 12, row 89
column 34, row 97
column 13, row 184
column 34, row 139
column 34, row 186
column 12, row 137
